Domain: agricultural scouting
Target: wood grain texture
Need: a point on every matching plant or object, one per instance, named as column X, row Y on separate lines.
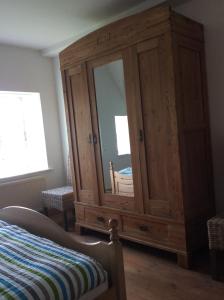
column 162, row 187
column 81, row 134
column 145, row 230
column 105, row 198
column 153, row 274
column 195, row 146
column 166, row 95
column 149, row 230
column 186, row 27
column 121, row 184
column 135, row 128
column 116, row 36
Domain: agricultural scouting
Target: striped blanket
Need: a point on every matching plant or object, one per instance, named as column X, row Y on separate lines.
column 36, row 268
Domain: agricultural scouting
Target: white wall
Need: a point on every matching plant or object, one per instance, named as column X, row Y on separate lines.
column 61, row 106
column 23, row 192
column 211, row 14
column 24, row 70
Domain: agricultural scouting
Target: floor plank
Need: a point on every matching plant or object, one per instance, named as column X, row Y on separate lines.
column 152, row 274
column 157, row 277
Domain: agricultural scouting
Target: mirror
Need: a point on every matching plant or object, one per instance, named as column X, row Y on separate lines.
column 113, row 127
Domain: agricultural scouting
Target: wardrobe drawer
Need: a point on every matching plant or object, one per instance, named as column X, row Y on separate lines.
column 99, row 219
column 144, row 229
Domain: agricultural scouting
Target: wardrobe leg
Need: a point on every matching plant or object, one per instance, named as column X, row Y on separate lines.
column 184, row 260
column 79, row 229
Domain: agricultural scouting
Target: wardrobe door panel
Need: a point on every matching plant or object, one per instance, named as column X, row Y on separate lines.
column 82, row 137
column 159, row 151
column 113, row 123
column 194, row 126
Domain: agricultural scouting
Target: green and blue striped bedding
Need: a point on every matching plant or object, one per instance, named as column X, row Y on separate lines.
column 32, row 267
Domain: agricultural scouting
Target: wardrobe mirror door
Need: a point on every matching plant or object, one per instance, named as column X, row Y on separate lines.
column 113, row 128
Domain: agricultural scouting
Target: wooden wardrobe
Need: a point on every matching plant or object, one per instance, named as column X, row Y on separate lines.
column 144, row 76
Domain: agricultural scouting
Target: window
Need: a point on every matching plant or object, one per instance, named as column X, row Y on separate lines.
column 22, row 140
column 122, row 133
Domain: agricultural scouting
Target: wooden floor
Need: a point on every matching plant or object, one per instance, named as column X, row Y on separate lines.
column 154, row 275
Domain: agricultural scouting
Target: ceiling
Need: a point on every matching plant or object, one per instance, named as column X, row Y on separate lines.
column 51, row 25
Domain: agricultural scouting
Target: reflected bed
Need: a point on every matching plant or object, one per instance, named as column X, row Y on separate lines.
column 122, row 181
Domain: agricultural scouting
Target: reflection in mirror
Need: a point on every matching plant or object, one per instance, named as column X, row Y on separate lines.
column 114, row 130
column 122, row 134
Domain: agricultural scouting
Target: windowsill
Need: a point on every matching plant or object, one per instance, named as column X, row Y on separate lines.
column 24, row 176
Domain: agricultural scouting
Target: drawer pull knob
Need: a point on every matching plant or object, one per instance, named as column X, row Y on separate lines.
column 100, row 219
column 143, row 228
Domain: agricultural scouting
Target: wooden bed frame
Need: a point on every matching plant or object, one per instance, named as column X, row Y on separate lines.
column 121, row 184
column 108, row 254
